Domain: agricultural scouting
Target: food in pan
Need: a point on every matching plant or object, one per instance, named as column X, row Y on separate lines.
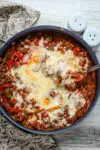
column 41, row 83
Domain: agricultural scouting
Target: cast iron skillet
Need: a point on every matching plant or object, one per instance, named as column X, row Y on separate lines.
column 64, row 32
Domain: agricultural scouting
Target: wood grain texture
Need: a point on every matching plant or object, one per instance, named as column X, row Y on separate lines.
column 56, row 12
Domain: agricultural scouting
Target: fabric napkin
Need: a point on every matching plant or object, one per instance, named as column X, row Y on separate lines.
column 14, row 18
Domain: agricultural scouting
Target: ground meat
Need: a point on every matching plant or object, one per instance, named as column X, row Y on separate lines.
column 52, row 93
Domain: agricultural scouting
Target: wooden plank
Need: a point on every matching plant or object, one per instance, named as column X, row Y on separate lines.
column 80, row 137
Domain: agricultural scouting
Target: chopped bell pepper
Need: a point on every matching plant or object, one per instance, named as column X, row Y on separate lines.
column 5, row 86
column 37, row 42
column 11, row 62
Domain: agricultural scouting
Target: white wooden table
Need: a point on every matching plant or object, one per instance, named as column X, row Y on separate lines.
column 56, row 12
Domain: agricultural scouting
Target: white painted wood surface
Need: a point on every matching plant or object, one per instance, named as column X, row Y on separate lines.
column 56, row 12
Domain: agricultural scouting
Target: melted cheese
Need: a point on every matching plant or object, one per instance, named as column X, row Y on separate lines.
column 32, row 76
column 57, row 61
column 35, row 81
column 72, row 100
